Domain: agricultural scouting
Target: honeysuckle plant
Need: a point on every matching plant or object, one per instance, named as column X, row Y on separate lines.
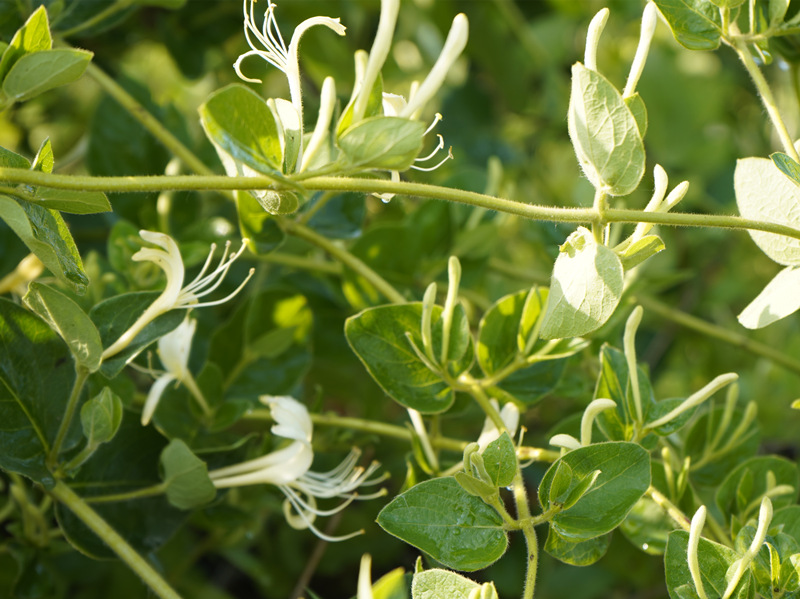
column 529, row 389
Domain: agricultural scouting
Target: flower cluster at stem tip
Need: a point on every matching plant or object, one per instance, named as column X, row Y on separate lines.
column 268, row 43
column 289, row 468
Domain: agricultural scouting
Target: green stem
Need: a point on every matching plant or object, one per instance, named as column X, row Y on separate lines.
column 148, row 121
column 301, row 262
column 115, row 542
column 343, row 256
column 81, row 374
column 530, row 211
column 717, row 332
column 150, row 491
column 764, row 91
column 528, row 531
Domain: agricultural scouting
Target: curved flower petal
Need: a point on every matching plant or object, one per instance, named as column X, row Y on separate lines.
column 292, row 420
column 154, row 396
column 175, row 346
column 279, row 467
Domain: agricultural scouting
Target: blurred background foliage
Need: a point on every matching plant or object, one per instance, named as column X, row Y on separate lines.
column 504, row 114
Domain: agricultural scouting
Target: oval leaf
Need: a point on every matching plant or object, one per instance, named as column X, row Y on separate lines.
column 779, row 299
column 440, row 518
column 240, row 124
column 384, row 142
column 604, row 133
column 585, row 287
column 624, row 478
column 41, row 71
column 695, row 24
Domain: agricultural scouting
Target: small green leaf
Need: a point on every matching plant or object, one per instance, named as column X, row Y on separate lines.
column 73, row 202
column 756, row 469
column 443, row 584
column 12, row 159
column 500, row 460
column 648, row 526
column 624, row 477
column 392, row 585
column 585, row 287
column 764, row 193
column 439, row 517
column 641, row 250
column 639, row 111
column 68, row 319
column 186, row 477
column 714, row 560
column 240, row 124
column 777, row 11
column 101, row 417
column 374, row 107
column 383, row 142
column 787, row 166
column 45, row 234
column 475, row 486
column 696, row 24
column 604, row 133
column 33, row 36
column 576, row 553
column 562, row 483
column 42, row 71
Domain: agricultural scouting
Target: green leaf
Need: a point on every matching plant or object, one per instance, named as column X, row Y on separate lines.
column 624, row 478
column 68, row 319
column 562, row 483
column 648, row 526
column 695, row 24
column 392, row 585
column 787, row 166
column 73, row 202
column 779, row 299
column 374, row 106
column 443, row 584
column 129, row 462
column 604, row 133
column 45, row 234
column 788, row 519
column 726, row 455
column 505, row 328
column 639, row 111
column 714, row 560
column 383, row 142
column 41, row 71
column 257, row 225
column 639, row 251
column 240, row 124
column 763, row 193
column 777, row 11
column 101, row 417
column 576, row 553
column 585, row 288
column 500, row 460
column 114, row 316
column 728, row 3
column 757, row 469
column 33, row 36
column 12, row 159
column 35, row 383
column 186, row 477
column 439, row 517
column 378, row 337
column 614, row 383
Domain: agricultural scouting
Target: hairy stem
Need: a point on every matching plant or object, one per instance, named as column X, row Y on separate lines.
column 764, row 91
column 116, row 543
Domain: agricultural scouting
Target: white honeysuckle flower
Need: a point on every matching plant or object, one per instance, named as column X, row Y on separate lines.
column 173, row 350
column 565, row 441
column 490, row 432
column 176, row 296
column 288, row 468
column 698, row 521
column 589, row 414
column 270, row 46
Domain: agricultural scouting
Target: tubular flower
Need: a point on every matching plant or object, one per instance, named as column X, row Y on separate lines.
column 288, row 468
column 173, row 350
column 267, row 42
column 176, row 296
column 490, row 432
